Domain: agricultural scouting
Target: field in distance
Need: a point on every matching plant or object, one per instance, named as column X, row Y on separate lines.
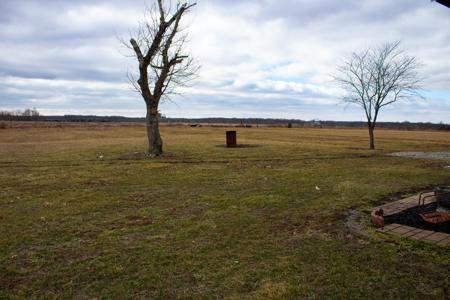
column 264, row 221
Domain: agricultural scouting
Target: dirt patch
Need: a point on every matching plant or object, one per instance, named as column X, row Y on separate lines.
column 8, row 282
column 130, row 221
column 189, row 210
column 98, row 183
column 137, row 197
column 291, row 226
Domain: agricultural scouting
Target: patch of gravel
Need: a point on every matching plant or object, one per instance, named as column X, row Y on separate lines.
column 426, row 155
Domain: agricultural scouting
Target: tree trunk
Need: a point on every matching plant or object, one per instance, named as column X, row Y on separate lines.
column 372, row 137
column 155, row 144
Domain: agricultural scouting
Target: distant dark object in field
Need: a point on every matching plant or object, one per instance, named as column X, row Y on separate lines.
column 444, row 2
column 196, row 125
column 244, row 125
column 231, row 139
column 290, row 125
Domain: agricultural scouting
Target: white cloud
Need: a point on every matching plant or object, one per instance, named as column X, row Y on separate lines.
column 259, row 57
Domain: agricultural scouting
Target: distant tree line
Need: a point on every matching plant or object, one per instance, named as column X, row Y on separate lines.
column 92, row 119
column 252, row 122
column 240, row 122
column 34, row 115
column 29, row 114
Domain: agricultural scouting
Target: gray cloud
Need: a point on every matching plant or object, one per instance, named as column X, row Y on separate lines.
column 257, row 56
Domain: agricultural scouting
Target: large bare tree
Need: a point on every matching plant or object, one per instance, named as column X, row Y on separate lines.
column 158, row 44
column 377, row 77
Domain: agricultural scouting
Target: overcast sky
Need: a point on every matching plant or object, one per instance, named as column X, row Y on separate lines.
column 259, row 58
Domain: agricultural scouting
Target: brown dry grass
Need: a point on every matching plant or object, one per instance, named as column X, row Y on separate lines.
column 210, row 222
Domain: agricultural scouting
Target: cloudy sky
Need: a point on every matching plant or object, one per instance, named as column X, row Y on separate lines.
column 259, row 58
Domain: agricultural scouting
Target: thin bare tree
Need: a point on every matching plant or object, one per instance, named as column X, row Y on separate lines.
column 377, row 77
column 159, row 46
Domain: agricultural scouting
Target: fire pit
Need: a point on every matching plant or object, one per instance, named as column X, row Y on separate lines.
column 424, row 217
column 441, row 213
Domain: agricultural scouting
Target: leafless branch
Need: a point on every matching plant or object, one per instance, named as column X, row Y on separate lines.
column 378, row 77
column 159, row 44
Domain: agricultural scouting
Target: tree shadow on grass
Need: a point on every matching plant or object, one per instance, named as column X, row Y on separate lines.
column 238, row 146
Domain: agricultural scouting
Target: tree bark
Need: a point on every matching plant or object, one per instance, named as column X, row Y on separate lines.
column 154, row 137
column 163, row 56
column 372, row 137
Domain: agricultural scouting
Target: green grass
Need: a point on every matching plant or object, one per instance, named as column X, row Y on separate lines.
column 209, row 222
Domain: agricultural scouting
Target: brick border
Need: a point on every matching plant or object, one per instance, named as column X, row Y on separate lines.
column 439, row 238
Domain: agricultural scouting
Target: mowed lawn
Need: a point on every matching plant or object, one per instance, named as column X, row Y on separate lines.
column 265, row 221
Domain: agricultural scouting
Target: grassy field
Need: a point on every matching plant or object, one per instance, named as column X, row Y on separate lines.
column 266, row 221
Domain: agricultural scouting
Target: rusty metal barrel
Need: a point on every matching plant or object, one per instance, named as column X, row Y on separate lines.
column 231, row 139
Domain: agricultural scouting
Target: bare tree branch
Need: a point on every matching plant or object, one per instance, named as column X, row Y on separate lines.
column 375, row 78
column 158, row 44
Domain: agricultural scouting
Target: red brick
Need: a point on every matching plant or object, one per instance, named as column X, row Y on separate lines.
column 444, row 242
column 402, row 230
column 412, row 232
column 390, row 227
column 436, row 237
column 422, row 234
